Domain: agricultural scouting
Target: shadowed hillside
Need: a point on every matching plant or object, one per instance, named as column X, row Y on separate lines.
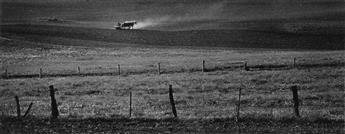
column 294, row 24
column 208, row 38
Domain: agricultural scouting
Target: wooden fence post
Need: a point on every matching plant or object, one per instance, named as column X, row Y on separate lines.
column 18, row 106
column 171, row 96
column 238, row 105
column 40, row 74
column 245, row 66
column 294, row 90
column 159, row 68
column 294, row 62
column 130, row 104
column 54, row 107
column 6, row 73
column 118, row 69
column 203, row 66
column 78, row 70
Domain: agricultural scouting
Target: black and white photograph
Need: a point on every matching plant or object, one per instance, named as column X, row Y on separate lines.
column 172, row 66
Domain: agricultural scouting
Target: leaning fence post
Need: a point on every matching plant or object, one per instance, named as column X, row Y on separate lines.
column 118, row 69
column 40, row 74
column 203, row 66
column 28, row 110
column 294, row 90
column 130, row 104
column 18, row 106
column 78, row 70
column 54, row 107
column 159, row 68
column 238, row 105
column 172, row 101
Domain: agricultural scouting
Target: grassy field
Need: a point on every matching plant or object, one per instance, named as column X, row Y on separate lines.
column 201, row 98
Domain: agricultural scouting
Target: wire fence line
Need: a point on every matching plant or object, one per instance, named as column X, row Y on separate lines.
column 161, row 68
column 172, row 105
column 295, row 103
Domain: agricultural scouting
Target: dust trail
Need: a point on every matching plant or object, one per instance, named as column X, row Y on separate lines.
column 151, row 22
column 210, row 12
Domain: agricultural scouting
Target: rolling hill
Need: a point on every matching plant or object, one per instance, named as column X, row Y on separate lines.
column 200, row 38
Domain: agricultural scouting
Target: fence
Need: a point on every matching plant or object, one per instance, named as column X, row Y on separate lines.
column 121, row 70
column 204, row 67
column 55, row 111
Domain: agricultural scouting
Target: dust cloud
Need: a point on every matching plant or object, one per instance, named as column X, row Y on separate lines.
column 208, row 13
column 248, row 10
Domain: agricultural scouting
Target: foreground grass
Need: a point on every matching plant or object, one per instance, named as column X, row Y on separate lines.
column 168, row 125
column 197, row 95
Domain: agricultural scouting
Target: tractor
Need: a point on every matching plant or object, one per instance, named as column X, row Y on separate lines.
column 125, row 25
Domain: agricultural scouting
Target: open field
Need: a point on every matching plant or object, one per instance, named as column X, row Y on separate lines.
column 59, row 36
column 200, row 97
column 200, row 38
column 63, row 57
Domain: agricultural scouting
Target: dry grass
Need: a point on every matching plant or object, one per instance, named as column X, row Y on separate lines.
column 198, row 95
column 210, row 95
column 23, row 57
